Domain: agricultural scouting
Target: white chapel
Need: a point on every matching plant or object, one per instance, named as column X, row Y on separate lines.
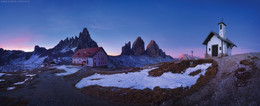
column 218, row 45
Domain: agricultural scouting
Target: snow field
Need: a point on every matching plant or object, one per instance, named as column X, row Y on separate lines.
column 142, row 80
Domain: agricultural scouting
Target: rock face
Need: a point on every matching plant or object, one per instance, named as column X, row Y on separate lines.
column 83, row 41
column 126, row 50
column 138, row 47
column 153, row 49
column 162, row 53
column 67, row 47
column 39, row 50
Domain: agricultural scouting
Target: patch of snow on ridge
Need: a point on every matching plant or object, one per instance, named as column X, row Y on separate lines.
column 70, row 69
column 1, row 74
column 142, row 80
column 30, row 75
column 73, row 49
column 18, row 83
column 2, row 80
column 35, row 59
column 10, row 88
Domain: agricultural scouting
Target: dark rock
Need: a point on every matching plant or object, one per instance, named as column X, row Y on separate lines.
column 83, row 41
column 126, row 50
column 162, row 54
column 39, row 51
column 153, row 49
column 138, row 47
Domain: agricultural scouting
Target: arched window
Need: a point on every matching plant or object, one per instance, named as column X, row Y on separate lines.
column 220, row 26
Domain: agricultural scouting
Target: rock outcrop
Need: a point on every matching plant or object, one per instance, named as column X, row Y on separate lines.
column 83, row 41
column 153, row 49
column 126, row 50
column 39, row 50
column 138, row 47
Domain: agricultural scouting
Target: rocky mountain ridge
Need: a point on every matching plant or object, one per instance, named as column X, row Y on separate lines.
column 61, row 53
column 138, row 49
column 187, row 57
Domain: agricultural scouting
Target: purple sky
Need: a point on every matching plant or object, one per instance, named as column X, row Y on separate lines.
column 177, row 26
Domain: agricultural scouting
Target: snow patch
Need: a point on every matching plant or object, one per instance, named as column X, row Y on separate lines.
column 73, row 49
column 142, row 80
column 30, row 75
column 64, row 50
column 2, row 80
column 18, row 83
column 1, row 74
column 10, row 88
column 70, row 69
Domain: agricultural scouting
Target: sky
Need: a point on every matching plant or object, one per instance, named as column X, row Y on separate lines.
column 177, row 26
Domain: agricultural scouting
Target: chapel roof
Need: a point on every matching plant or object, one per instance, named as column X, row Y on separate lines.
column 211, row 34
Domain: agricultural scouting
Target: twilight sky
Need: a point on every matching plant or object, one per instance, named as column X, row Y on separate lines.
column 178, row 26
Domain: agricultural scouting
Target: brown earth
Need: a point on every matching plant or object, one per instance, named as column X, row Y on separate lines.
column 177, row 67
column 147, row 96
column 195, row 72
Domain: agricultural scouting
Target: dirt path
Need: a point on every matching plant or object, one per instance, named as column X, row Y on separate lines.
column 50, row 90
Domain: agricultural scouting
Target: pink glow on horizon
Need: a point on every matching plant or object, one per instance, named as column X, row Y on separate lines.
column 19, row 39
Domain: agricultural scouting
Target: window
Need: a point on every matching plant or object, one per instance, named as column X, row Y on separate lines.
column 209, row 49
column 220, row 26
column 219, row 48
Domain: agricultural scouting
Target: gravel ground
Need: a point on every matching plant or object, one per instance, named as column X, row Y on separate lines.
column 49, row 90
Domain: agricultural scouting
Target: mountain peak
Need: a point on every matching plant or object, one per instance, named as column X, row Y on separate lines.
column 187, row 57
column 126, row 50
column 153, row 49
column 79, row 42
column 85, row 30
column 138, row 47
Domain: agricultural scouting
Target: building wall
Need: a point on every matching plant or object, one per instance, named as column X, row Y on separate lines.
column 216, row 41
column 229, row 51
column 100, row 59
column 213, row 41
column 224, row 48
column 222, row 32
column 79, row 61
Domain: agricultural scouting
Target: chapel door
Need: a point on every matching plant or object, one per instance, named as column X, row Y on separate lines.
column 214, row 50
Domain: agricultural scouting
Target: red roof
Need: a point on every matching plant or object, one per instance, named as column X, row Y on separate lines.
column 89, row 52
